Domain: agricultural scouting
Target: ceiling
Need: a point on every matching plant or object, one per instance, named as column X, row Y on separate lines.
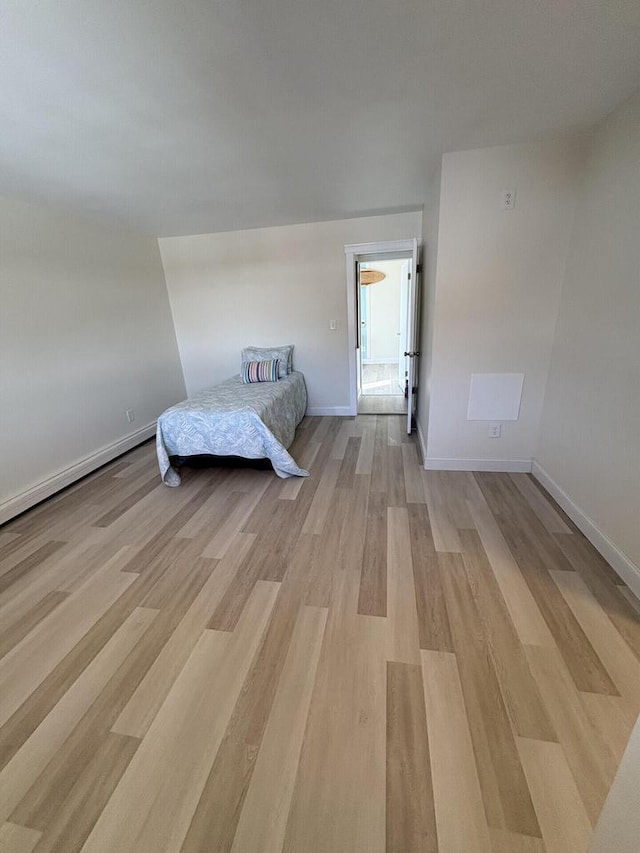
column 210, row 115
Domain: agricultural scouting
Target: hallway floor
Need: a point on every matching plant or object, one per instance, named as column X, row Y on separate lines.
column 381, row 379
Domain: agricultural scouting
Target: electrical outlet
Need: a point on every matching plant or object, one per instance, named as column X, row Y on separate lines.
column 130, row 415
column 495, row 430
column 508, row 199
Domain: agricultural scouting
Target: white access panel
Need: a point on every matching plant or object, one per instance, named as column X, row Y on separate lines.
column 495, row 396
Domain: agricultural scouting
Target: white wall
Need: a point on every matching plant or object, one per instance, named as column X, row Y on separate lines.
column 590, row 433
column 85, row 333
column 498, row 282
column 270, row 286
column 430, row 228
column 384, row 312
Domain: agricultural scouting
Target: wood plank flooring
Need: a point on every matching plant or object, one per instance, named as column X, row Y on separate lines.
column 385, row 404
column 375, row 658
column 378, row 378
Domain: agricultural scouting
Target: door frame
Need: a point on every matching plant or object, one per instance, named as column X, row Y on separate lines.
column 355, row 252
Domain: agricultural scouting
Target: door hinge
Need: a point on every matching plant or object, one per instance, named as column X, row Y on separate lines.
column 419, row 268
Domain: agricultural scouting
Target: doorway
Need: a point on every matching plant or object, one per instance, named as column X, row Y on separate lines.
column 367, row 257
column 383, row 318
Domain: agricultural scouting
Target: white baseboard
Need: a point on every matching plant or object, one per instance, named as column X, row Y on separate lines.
column 423, row 443
column 23, row 501
column 620, row 562
column 335, row 411
column 520, row 466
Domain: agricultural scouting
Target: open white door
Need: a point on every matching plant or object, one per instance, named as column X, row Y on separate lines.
column 359, row 335
column 412, row 353
column 404, row 314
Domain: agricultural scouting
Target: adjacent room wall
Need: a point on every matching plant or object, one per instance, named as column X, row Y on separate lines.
column 384, row 313
column 589, row 442
column 498, row 281
column 271, row 286
column 85, row 334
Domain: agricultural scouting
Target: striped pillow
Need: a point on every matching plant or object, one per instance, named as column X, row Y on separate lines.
column 284, row 353
column 260, row 371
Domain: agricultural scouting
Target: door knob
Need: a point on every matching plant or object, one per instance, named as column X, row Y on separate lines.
column 412, row 354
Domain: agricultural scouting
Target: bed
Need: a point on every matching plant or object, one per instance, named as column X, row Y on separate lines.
column 252, row 421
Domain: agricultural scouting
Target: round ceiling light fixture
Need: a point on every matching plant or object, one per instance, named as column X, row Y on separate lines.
column 371, row 276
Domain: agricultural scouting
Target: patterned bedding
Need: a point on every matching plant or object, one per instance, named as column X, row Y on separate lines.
column 255, row 421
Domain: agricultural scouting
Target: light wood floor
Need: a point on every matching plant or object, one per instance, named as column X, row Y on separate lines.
column 381, row 393
column 381, row 379
column 374, row 658
column 382, row 404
